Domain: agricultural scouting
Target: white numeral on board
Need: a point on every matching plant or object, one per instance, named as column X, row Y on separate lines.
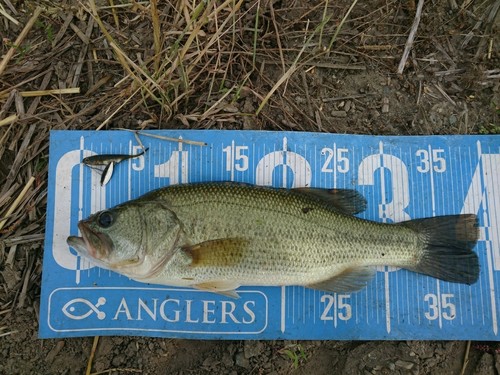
column 336, row 306
column 336, row 160
column 138, row 162
column 175, row 168
column 432, row 158
column 440, row 305
column 236, row 158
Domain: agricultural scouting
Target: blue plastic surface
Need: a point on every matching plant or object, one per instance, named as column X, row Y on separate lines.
column 401, row 177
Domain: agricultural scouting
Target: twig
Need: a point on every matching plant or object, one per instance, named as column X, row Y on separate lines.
column 338, row 98
column 35, row 102
column 255, row 34
column 186, row 141
column 8, row 333
column 208, row 111
column 291, row 70
column 156, row 34
column 118, row 109
column 21, row 153
column 8, row 120
column 17, row 201
column 27, row 274
column 24, row 239
column 118, row 370
column 84, row 38
column 341, row 24
column 466, row 358
column 8, row 16
column 67, row 20
column 20, row 39
column 278, row 37
column 318, row 121
column 83, row 53
column 30, row 94
column 91, row 356
column 11, row 96
column 411, row 37
column 322, row 64
column 306, row 91
column 489, row 20
column 115, row 15
column 12, row 255
column 445, row 95
column 138, row 139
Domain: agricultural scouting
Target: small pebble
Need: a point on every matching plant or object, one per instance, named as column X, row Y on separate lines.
column 118, row 360
column 242, row 361
column 485, row 365
column 227, row 360
column 253, row 348
column 385, row 105
column 404, row 364
column 209, row 362
column 55, row 351
column 339, row 113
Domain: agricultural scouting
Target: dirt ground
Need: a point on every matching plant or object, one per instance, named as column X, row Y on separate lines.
column 327, row 66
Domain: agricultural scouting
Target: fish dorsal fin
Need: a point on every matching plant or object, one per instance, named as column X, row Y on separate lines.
column 219, row 253
column 347, row 201
column 350, row 280
column 226, row 288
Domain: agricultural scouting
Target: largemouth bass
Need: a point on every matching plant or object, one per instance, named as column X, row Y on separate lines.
column 219, row 236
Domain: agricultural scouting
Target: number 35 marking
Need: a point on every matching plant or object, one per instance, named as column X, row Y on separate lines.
column 431, row 158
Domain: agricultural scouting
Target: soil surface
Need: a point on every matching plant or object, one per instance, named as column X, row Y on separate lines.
column 262, row 65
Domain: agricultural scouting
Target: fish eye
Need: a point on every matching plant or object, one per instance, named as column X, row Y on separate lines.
column 105, row 219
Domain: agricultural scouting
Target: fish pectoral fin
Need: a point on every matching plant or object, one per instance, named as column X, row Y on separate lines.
column 350, row 280
column 347, row 201
column 225, row 288
column 217, row 253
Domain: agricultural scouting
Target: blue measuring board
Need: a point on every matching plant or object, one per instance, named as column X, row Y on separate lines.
column 401, row 177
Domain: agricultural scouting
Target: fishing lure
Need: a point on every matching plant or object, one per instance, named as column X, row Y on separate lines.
column 108, row 161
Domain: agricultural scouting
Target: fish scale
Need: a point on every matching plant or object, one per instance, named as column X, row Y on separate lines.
column 322, row 238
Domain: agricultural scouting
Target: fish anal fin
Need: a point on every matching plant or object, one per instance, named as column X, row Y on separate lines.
column 218, row 253
column 347, row 201
column 225, row 288
column 350, row 280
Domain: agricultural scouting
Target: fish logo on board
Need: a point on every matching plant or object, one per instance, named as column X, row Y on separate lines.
column 70, row 309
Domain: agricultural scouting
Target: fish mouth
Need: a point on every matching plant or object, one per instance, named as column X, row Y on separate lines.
column 93, row 245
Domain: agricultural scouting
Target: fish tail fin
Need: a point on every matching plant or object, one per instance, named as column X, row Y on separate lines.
column 448, row 254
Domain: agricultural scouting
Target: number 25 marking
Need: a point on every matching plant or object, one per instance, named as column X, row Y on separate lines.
column 340, row 160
